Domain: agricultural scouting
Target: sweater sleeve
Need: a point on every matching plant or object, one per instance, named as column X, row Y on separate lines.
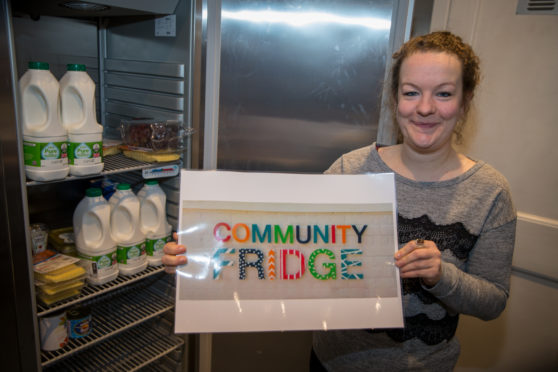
column 482, row 289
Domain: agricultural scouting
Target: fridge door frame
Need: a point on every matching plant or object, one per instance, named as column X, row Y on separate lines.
column 20, row 330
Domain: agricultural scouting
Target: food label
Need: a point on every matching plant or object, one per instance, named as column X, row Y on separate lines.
column 98, row 264
column 154, row 247
column 130, row 254
column 85, row 153
column 47, row 156
column 78, row 328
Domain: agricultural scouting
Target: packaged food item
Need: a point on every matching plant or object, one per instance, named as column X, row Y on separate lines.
column 45, row 141
column 152, row 140
column 55, row 289
column 78, row 321
column 151, row 157
column 39, row 237
column 54, row 334
column 94, row 243
column 63, row 274
column 49, row 300
column 63, row 240
column 152, row 135
column 57, row 277
column 153, row 221
column 126, row 230
column 111, row 146
column 79, row 116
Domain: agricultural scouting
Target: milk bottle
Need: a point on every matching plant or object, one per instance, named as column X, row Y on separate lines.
column 153, row 220
column 94, row 244
column 78, row 116
column 44, row 138
column 126, row 232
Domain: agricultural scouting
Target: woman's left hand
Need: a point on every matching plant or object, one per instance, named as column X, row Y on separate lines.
column 420, row 259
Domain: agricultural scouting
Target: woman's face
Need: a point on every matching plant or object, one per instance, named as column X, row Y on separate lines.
column 429, row 99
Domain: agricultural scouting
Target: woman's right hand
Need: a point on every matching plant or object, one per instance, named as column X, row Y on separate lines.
column 171, row 259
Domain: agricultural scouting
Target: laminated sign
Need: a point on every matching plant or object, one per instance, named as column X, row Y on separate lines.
column 272, row 251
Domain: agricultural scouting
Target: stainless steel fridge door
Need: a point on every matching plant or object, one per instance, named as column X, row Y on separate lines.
column 299, row 82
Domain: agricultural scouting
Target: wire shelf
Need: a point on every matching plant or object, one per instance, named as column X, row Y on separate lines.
column 118, row 312
column 117, row 163
column 128, row 351
column 91, row 291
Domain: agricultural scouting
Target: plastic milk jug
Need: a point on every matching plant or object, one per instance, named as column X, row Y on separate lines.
column 79, row 118
column 44, row 138
column 126, row 230
column 153, row 221
column 94, row 244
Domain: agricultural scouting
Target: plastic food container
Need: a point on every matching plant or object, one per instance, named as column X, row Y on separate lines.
column 63, row 240
column 152, row 135
column 152, row 140
column 39, row 237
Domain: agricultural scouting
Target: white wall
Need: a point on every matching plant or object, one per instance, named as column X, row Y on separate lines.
column 514, row 127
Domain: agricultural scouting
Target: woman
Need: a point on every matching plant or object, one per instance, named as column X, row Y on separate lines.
column 456, row 220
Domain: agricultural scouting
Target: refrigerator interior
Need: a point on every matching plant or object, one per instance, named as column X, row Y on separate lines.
column 139, row 71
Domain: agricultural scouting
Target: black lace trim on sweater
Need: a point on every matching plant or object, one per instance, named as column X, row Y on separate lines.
column 454, row 237
column 429, row 331
column 460, row 242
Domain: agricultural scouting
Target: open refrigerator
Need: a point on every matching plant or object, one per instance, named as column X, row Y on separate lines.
column 132, row 316
column 196, row 62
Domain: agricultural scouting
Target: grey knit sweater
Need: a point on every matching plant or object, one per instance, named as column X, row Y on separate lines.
column 472, row 220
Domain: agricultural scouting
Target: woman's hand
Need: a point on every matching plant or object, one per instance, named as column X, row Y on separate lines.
column 170, row 259
column 420, row 259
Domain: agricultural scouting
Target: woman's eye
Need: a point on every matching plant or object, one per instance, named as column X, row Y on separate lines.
column 410, row 94
column 444, row 94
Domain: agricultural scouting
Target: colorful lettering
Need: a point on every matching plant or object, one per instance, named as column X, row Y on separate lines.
column 243, row 263
column 346, row 264
column 219, row 263
column 284, row 273
column 329, row 266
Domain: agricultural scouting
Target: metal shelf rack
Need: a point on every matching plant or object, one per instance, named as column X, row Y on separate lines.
column 117, row 163
column 91, row 291
column 117, row 312
column 128, row 351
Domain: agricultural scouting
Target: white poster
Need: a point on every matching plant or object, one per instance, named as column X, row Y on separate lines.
column 272, row 251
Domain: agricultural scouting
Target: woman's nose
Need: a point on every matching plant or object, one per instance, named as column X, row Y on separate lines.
column 425, row 105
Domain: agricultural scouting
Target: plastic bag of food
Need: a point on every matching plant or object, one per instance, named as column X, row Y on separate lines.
column 153, row 140
column 152, row 135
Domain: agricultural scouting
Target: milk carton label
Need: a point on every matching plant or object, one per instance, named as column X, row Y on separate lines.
column 96, row 265
column 130, row 254
column 86, row 153
column 154, row 247
column 51, row 155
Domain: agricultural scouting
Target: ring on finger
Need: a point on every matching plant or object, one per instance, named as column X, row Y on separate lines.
column 420, row 242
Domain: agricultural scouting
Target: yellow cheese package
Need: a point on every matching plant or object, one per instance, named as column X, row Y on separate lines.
column 49, row 300
column 54, row 289
column 63, row 274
